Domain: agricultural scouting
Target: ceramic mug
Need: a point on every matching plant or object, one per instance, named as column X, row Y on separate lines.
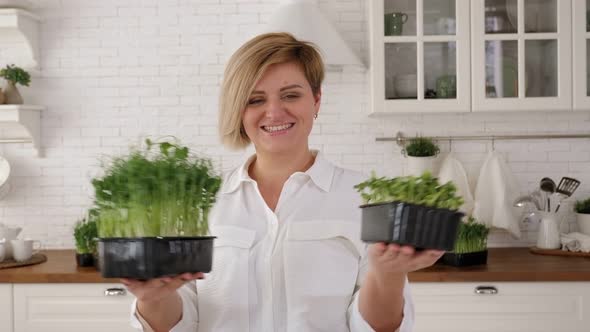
column 394, row 23
column 23, row 250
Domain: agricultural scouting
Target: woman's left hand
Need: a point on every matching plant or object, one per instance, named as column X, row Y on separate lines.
column 393, row 259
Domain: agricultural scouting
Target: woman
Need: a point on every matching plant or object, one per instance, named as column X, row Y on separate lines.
column 288, row 255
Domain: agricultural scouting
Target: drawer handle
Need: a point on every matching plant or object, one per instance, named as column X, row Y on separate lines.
column 115, row 292
column 486, row 290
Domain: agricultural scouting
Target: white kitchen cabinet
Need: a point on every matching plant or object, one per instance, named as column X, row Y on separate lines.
column 499, row 55
column 6, row 307
column 71, row 307
column 581, row 58
column 521, row 55
column 419, row 49
column 517, row 306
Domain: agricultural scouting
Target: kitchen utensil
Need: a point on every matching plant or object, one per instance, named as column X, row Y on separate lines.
column 566, row 187
column 522, row 200
column 548, row 186
column 536, row 195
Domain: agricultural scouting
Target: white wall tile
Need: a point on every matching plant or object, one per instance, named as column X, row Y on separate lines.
column 115, row 72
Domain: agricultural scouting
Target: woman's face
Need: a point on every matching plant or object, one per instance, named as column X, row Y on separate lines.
column 280, row 110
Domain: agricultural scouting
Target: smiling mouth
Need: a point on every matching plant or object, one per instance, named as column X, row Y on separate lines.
column 275, row 129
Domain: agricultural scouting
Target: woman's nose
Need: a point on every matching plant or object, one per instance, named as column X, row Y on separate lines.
column 274, row 108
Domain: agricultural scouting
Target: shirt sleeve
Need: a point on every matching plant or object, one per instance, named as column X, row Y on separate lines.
column 357, row 323
column 190, row 315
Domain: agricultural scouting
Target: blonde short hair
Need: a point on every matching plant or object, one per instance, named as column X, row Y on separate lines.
column 247, row 65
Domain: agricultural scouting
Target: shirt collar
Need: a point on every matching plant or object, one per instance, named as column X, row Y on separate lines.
column 321, row 173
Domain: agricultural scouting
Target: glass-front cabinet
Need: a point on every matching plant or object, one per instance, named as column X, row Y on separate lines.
column 521, row 55
column 420, row 56
column 581, row 41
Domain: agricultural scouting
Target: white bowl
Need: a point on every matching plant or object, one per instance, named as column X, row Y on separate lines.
column 405, row 86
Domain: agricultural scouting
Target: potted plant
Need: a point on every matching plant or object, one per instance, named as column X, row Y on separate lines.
column 412, row 210
column 582, row 209
column 152, row 209
column 85, row 236
column 14, row 75
column 471, row 245
column 421, row 153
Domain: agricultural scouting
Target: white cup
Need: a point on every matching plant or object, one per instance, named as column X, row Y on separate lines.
column 24, row 249
column 2, row 249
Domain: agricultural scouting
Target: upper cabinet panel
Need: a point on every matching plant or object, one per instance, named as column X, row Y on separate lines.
column 581, row 54
column 521, row 55
column 420, row 56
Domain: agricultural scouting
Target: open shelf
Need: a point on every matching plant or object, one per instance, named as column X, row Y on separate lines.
column 21, row 124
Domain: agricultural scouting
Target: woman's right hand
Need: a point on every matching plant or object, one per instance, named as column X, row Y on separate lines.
column 158, row 289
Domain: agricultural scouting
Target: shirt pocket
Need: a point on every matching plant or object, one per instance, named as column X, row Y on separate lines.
column 223, row 295
column 321, row 266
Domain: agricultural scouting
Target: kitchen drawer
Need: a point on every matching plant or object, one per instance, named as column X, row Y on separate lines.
column 6, row 307
column 522, row 307
column 70, row 307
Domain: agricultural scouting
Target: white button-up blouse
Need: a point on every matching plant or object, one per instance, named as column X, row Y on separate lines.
column 296, row 269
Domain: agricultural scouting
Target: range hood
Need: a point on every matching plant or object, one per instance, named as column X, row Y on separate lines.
column 304, row 20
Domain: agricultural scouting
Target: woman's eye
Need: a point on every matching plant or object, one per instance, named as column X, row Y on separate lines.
column 291, row 96
column 255, row 101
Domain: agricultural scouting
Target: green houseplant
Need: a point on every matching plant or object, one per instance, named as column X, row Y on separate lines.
column 582, row 208
column 14, row 75
column 471, row 245
column 152, row 212
column 420, row 153
column 85, row 236
column 413, row 210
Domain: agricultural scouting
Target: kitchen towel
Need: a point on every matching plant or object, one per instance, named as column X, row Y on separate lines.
column 494, row 195
column 452, row 170
column 575, row 242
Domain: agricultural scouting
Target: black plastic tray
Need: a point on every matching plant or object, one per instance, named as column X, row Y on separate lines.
column 151, row 257
column 403, row 223
column 465, row 259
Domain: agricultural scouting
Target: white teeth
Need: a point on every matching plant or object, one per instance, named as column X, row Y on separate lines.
column 271, row 129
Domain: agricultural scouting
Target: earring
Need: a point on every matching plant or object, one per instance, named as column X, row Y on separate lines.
column 315, row 116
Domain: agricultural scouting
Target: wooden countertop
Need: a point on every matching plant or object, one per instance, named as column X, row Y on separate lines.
column 511, row 264
column 60, row 267
column 504, row 264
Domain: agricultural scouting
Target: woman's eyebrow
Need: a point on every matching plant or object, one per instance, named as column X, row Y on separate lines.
column 258, row 92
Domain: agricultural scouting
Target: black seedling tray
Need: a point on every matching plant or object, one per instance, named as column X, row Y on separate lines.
column 465, row 259
column 152, row 257
column 403, row 223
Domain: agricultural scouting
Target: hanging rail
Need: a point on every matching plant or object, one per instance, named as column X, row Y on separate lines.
column 400, row 139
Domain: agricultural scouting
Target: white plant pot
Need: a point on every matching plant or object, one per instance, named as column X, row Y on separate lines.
column 583, row 223
column 418, row 165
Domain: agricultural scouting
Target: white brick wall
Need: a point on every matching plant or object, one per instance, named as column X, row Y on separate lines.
column 113, row 71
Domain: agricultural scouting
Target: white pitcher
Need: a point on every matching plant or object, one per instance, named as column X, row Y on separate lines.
column 9, row 233
column 548, row 236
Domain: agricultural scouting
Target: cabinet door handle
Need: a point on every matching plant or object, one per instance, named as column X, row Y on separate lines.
column 115, row 292
column 486, row 290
